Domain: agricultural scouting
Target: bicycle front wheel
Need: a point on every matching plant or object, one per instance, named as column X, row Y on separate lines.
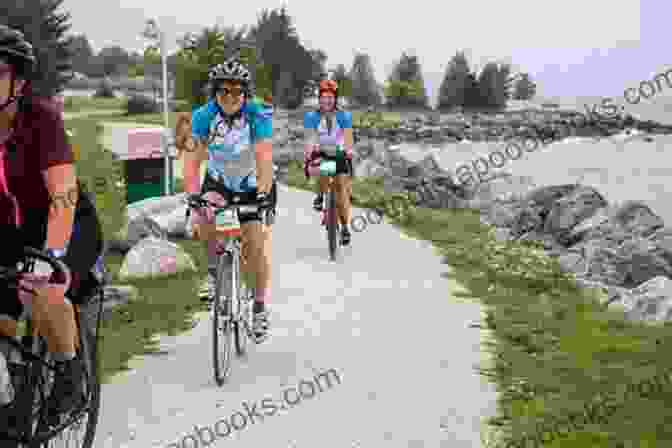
column 332, row 225
column 226, row 288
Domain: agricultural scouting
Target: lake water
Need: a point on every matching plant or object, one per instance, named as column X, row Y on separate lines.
column 621, row 167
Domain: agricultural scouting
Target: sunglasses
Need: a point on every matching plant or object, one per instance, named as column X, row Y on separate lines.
column 233, row 91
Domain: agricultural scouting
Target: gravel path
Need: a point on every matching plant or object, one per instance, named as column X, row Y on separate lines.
column 382, row 318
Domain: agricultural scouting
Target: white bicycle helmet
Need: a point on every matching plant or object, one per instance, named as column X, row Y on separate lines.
column 230, row 70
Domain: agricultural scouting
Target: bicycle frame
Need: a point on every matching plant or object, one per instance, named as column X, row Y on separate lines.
column 35, row 357
column 32, row 428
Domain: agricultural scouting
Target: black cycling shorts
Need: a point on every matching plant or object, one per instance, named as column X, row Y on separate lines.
column 211, row 184
column 343, row 166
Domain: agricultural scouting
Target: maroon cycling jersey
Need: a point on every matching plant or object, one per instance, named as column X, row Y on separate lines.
column 38, row 143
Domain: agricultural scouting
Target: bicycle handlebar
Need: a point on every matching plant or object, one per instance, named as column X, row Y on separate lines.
column 13, row 274
column 197, row 202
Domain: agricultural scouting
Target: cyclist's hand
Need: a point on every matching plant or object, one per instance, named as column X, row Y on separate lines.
column 43, row 284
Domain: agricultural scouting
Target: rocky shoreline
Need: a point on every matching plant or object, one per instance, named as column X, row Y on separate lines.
column 624, row 250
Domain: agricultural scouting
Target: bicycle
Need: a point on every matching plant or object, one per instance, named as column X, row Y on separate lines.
column 329, row 215
column 32, row 372
column 232, row 307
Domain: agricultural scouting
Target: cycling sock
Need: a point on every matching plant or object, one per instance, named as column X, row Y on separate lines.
column 258, row 307
column 62, row 357
column 212, row 253
column 212, row 270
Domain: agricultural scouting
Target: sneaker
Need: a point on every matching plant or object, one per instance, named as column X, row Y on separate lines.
column 345, row 236
column 207, row 290
column 317, row 203
column 260, row 324
column 68, row 391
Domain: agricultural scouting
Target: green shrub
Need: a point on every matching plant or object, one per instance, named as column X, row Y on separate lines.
column 139, row 104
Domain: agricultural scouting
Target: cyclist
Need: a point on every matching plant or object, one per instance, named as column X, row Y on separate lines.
column 36, row 166
column 330, row 125
column 233, row 131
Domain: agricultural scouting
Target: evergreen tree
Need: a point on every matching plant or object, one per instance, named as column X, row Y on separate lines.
column 364, row 86
column 524, row 88
column 405, row 86
column 454, row 87
column 46, row 29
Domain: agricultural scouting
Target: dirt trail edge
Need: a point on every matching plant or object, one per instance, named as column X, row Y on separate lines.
column 370, row 351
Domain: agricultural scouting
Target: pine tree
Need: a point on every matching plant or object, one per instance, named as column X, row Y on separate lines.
column 524, row 88
column 46, row 29
column 453, row 89
column 364, row 86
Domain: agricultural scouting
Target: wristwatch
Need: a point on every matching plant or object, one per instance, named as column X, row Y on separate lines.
column 56, row 253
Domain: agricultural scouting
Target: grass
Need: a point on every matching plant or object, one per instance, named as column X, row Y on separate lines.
column 553, row 346
column 81, row 103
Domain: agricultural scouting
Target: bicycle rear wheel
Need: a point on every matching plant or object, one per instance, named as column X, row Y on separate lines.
column 332, row 224
column 226, row 288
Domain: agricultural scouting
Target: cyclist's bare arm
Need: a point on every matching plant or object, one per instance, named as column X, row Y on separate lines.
column 196, row 152
column 264, row 157
column 349, row 140
column 61, row 182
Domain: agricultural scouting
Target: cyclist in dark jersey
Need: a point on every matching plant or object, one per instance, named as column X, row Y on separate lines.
column 38, row 187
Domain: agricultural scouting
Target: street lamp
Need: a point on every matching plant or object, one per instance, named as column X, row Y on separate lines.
column 154, row 33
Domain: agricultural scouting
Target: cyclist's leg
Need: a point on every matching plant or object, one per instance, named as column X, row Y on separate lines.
column 206, row 227
column 256, row 239
column 343, row 192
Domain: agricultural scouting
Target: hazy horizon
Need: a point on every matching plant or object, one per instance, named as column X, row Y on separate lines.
column 573, row 49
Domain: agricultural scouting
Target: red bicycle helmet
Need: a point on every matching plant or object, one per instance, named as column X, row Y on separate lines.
column 328, row 85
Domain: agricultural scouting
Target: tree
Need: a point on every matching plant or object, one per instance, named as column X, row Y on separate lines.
column 46, row 29
column 405, row 86
column 278, row 47
column 453, row 91
column 487, row 84
column 114, row 60
column 197, row 54
column 524, row 88
column 82, row 54
column 340, row 75
column 364, row 85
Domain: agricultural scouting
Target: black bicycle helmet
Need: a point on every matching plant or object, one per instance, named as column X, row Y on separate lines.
column 19, row 54
column 17, row 51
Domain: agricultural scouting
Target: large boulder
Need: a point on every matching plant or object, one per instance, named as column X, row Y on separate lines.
column 154, row 257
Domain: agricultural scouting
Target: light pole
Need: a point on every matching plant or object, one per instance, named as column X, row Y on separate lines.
column 156, row 34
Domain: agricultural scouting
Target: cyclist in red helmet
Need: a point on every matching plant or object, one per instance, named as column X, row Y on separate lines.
column 329, row 125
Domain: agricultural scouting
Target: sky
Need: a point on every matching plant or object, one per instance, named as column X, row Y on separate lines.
column 569, row 47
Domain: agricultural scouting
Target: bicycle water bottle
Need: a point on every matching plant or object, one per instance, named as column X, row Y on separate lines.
column 6, row 386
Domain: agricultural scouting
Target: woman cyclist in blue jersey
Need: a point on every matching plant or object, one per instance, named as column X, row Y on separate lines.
column 329, row 125
column 233, row 133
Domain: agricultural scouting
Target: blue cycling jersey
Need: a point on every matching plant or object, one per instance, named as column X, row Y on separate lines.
column 231, row 152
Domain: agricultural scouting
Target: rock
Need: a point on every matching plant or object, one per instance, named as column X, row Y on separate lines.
column 154, row 257
column 569, row 210
column 649, row 302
